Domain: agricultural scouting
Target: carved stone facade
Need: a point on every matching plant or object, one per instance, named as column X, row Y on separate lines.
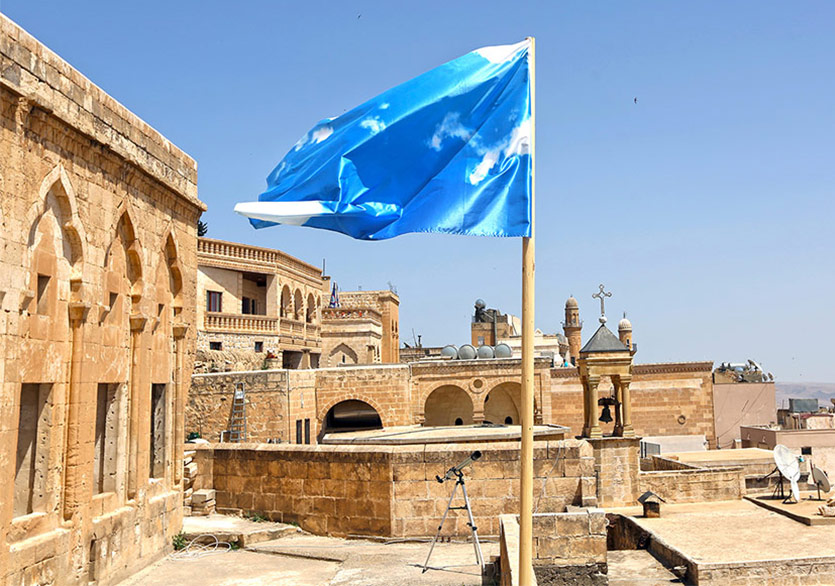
column 98, row 218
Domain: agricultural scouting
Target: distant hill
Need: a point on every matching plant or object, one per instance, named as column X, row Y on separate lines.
column 820, row 391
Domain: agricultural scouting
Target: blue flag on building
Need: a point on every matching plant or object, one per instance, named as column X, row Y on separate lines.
column 448, row 151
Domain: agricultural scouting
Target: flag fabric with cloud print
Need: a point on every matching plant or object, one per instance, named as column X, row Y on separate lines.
column 448, row 151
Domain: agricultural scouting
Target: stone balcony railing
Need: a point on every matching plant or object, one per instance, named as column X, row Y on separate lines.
column 228, row 322
column 292, row 327
column 260, row 324
column 351, row 313
column 219, row 249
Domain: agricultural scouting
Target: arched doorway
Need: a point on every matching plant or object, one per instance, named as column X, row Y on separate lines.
column 501, row 405
column 448, row 405
column 351, row 415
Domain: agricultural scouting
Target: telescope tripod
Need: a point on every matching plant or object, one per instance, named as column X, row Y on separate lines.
column 471, row 523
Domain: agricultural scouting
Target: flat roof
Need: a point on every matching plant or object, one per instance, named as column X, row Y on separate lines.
column 415, row 434
column 719, row 456
column 716, row 533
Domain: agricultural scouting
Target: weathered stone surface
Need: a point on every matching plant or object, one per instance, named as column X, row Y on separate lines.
column 98, row 217
column 382, row 490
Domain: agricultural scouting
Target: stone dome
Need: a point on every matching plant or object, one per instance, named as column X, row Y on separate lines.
column 571, row 303
column 624, row 324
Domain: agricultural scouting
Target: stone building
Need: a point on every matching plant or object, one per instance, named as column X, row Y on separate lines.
column 364, row 329
column 261, row 300
column 667, row 399
column 98, row 216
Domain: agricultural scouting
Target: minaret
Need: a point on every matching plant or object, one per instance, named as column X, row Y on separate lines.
column 572, row 326
column 625, row 332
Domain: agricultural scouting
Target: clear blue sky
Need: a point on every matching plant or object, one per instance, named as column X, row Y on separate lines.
column 707, row 207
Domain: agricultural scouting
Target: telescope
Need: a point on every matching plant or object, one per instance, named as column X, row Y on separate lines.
column 456, row 471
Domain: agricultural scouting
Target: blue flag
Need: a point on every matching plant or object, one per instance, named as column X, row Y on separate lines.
column 448, row 151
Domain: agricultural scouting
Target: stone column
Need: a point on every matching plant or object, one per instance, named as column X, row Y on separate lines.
column 180, row 330
column 618, row 407
column 273, row 294
column 74, row 459
column 137, row 325
column 628, row 430
column 592, row 429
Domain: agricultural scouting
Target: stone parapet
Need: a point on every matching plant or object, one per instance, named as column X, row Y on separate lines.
column 237, row 256
column 695, row 485
column 388, row 490
column 37, row 74
column 568, row 548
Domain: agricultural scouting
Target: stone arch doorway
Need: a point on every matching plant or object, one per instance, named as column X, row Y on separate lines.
column 501, row 405
column 351, row 415
column 448, row 405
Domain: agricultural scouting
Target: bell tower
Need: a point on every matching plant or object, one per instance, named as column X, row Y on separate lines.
column 572, row 326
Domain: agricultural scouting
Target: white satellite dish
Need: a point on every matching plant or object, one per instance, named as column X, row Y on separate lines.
column 820, row 479
column 789, row 467
column 786, row 462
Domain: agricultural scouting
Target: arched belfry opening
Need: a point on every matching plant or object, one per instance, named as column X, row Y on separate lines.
column 351, row 415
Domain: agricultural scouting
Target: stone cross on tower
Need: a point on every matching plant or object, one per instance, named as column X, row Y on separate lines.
column 602, row 295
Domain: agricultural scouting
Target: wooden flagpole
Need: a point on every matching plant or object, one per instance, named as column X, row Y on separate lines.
column 528, row 267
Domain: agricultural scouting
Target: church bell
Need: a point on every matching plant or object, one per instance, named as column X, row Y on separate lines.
column 606, row 416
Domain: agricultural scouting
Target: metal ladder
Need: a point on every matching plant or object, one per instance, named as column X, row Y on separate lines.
column 237, row 423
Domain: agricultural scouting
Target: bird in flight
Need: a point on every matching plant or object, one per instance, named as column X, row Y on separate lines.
column 636, row 100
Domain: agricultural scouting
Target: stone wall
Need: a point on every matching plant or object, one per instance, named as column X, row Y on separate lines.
column 568, row 548
column 695, row 485
column 351, row 336
column 667, row 399
column 98, row 217
column 616, row 464
column 276, row 400
column 209, row 406
column 388, row 490
column 657, row 463
column 237, row 342
column 206, row 361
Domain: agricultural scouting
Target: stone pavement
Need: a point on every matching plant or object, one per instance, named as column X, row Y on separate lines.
column 637, row 567
column 737, row 531
column 371, row 563
column 235, row 568
column 311, row 560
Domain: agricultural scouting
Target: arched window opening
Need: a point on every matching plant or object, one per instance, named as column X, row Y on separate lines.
column 501, row 405
column 447, row 404
column 352, row 415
